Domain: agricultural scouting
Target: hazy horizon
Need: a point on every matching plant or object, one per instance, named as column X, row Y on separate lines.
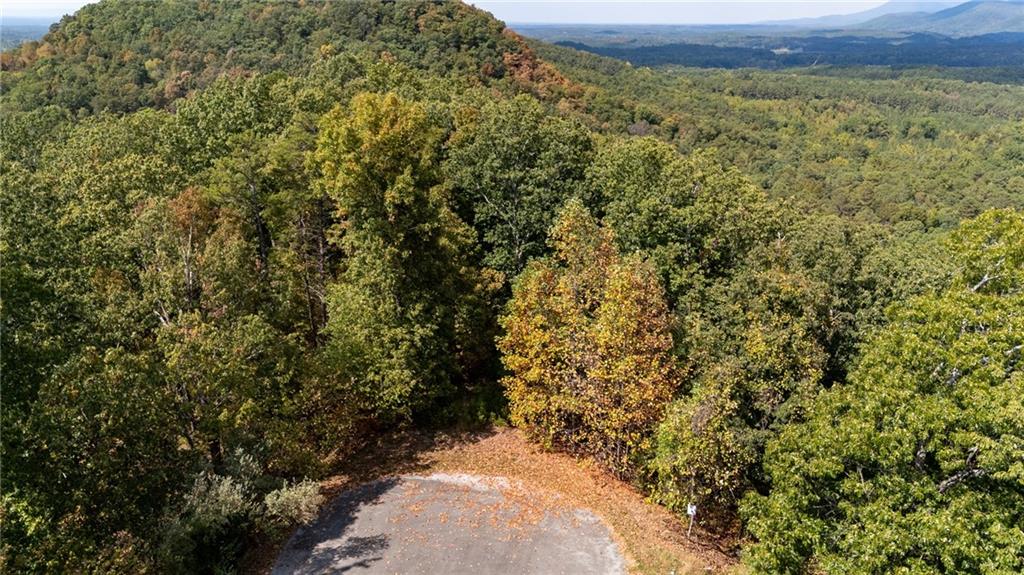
column 569, row 11
column 648, row 12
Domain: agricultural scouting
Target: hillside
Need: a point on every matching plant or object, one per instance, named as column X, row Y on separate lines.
column 171, row 250
column 121, row 56
column 974, row 18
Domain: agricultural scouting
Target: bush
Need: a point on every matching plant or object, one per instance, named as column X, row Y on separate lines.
column 700, row 452
column 291, row 505
column 221, row 512
column 212, row 523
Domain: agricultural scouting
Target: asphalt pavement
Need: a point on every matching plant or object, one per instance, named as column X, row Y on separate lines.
column 450, row 524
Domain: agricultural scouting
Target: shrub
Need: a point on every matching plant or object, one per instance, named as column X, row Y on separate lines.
column 212, row 523
column 291, row 505
column 221, row 512
column 700, row 452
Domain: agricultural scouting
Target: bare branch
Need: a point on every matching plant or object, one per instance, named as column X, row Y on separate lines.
column 954, row 376
column 972, row 470
column 959, row 477
column 919, row 457
column 984, row 280
column 987, row 278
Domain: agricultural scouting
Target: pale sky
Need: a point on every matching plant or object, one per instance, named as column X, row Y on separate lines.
column 52, row 9
column 667, row 11
column 577, row 11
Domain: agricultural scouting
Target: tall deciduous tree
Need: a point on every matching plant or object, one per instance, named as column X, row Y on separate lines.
column 587, row 345
column 392, row 313
column 695, row 218
column 513, row 165
column 759, row 365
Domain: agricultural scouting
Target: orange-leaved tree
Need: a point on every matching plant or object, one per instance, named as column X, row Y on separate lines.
column 587, row 346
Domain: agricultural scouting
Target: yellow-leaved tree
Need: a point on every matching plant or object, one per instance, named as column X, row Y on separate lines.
column 587, row 346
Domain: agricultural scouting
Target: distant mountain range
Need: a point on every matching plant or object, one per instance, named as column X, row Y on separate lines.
column 889, row 8
column 973, row 18
column 954, row 18
column 978, row 34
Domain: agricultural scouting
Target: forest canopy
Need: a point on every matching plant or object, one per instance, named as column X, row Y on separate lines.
column 240, row 240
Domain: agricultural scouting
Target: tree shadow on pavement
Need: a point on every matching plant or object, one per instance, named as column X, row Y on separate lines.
column 337, row 554
column 366, row 476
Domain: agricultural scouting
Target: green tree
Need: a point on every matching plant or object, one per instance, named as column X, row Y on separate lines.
column 513, row 165
column 392, row 312
column 100, row 454
column 758, row 364
column 695, row 218
column 914, row 465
